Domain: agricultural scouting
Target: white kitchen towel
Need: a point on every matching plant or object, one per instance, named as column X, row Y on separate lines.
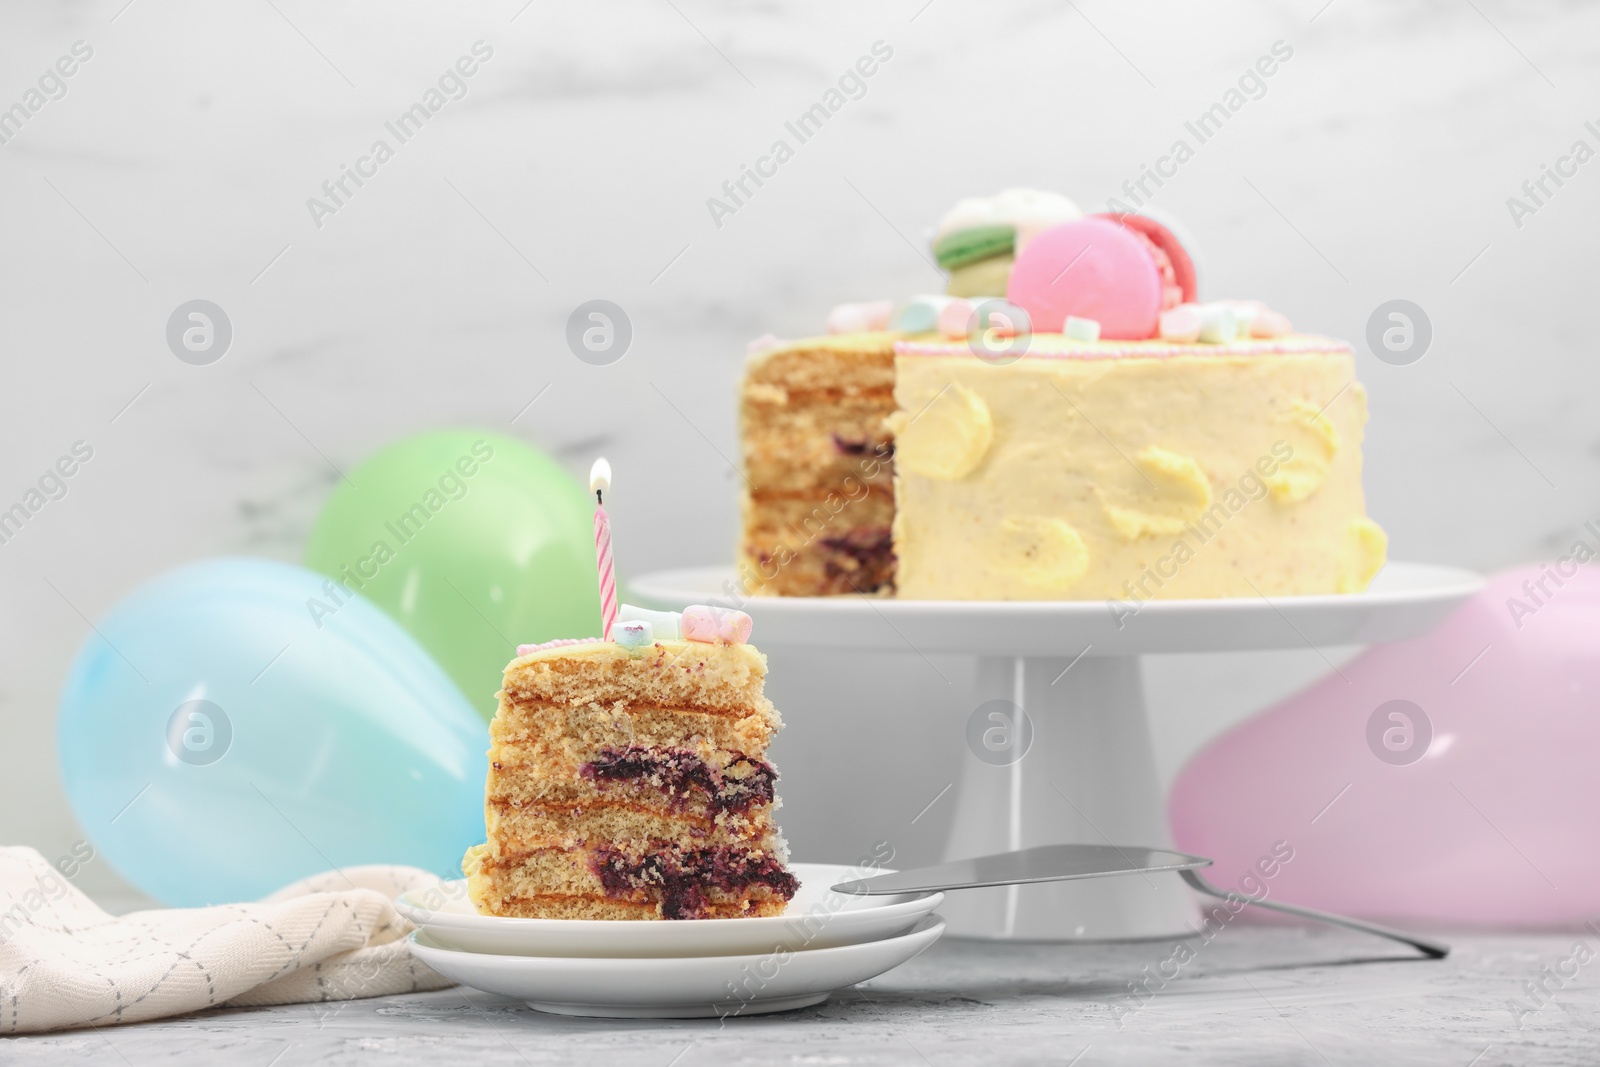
column 65, row 963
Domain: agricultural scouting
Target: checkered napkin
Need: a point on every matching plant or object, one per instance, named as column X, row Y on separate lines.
column 64, row 963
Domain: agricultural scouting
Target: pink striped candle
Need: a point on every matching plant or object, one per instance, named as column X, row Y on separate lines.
column 599, row 482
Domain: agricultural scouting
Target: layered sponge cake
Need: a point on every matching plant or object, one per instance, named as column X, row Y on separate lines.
column 628, row 780
column 819, row 466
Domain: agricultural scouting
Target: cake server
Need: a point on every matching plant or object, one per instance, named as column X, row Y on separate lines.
column 1062, row 863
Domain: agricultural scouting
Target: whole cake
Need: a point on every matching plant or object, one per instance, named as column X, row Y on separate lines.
column 1067, row 421
column 628, row 778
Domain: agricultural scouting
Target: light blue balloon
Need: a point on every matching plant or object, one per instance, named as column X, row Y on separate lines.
column 218, row 741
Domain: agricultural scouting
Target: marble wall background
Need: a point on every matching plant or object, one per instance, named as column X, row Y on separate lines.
column 1376, row 165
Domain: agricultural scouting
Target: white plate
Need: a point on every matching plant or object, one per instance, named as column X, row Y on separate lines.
column 677, row 988
column 816, row 918
column 1405, row 600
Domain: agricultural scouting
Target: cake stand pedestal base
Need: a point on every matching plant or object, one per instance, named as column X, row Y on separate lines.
column 1059, row 743
column 1061, row 753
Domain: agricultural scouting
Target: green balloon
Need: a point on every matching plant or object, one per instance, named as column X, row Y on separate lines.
column 473, row 542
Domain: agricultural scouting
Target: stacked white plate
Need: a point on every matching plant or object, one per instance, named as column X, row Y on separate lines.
column 693, row 968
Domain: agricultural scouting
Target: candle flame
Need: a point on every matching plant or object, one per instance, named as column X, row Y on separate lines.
column 600, row 476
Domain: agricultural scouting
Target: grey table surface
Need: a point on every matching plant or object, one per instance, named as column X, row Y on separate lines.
column 1254, row 995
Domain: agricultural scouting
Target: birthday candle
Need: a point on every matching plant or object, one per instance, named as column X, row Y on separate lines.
column 599, row 482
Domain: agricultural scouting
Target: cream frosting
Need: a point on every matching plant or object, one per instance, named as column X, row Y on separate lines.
column 1042, row 550
column 1316, row 442
column 1366, row 551
column 1169, row 471
column 1173, row 492
column 947, row 438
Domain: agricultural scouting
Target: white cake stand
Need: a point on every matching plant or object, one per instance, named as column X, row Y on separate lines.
column 1089, row 774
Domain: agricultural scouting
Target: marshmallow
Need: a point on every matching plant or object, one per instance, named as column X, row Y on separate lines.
column 765, row 343
column 1247, row 311
column 1270, row 324
column 664, row 623
column 634, row 634
column 1002, row 318
column 955, row 318
column 1182, row 323
column 860, row 318
column 709, row 625
column 1222, row 321
column 1219, row 324
column 920, row 314
column 1081, row 329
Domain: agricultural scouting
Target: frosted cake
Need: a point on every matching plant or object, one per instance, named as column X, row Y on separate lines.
column 1067, row 421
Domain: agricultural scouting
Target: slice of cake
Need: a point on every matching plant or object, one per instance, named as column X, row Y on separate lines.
column 628, row 779
column 819, row 496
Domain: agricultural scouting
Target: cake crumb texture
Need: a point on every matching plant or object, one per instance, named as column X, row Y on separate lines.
column 819, row 467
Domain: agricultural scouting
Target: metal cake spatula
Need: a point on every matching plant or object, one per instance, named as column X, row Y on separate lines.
column 1061, row 863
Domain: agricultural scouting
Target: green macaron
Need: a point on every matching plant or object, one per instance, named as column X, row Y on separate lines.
column 987, row 277
column 970, row 245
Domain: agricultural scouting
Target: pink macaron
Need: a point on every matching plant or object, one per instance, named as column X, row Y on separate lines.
column 1172, row 259
column 1099, row 268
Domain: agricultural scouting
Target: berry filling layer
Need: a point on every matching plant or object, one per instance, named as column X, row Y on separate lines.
column 863, row 557
column 743, row 783
column 847, row 447
column 683, row 881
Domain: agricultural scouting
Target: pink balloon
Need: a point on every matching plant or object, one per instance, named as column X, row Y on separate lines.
column 1473, row 803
